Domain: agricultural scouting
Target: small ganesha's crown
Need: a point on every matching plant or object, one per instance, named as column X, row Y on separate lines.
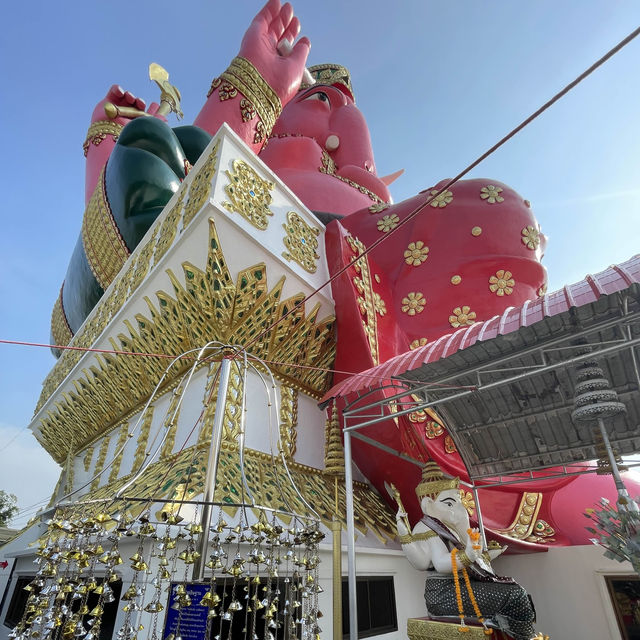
column 329, row 73
column 434, row 481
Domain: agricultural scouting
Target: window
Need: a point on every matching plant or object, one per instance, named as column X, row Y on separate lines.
column 18, row 602
column 376, row 606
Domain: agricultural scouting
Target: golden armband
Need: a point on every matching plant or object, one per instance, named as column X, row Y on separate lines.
column 415, row 537
column 99, row 130
column 260, row 98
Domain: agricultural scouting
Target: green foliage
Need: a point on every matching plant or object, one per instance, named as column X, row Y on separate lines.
column 8, row 507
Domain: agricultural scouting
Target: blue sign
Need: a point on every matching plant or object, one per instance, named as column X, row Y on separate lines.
column 193, row 619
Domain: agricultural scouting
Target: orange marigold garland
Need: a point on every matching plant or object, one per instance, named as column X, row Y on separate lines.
column 456, row 581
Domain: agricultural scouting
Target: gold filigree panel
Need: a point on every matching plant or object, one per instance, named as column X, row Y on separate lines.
column 205, row 305
column 183, row 475
column 369, row 302
column 170, row 424
column 143, row 437
column 102, row 456
column 301, row 241
column 200, row 187
column 249, row 194
column 117, row 460
column 288, row 420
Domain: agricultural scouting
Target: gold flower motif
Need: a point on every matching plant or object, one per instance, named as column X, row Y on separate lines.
column 476, row 231
column 462, row 317
column 456, row 279
column 502, row 283
column 432, row 429
column 378, row 207
column 413, row 303
column 416, row 253
column 542, row 290
column 442, row 200
column 418, row 343
column 466, row 497
column 530, row 237
column 388, row 222
column 491, row 194
column 379, row 304
column 449, row 445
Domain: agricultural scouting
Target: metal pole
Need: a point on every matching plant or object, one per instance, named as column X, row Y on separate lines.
column 336, row 527
column 483, row 535
column 623, row 495
column 351, row 539
column 212, row 469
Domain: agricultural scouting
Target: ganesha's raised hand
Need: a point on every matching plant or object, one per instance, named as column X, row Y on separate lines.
column 273, row 24
column 104, row 130
column 128, row 104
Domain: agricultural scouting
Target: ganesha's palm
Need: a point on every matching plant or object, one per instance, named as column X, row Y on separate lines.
column 260, row 46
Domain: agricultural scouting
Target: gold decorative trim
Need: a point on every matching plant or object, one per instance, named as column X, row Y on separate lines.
column 242, row 75
column 288, row 420
column 249, row 194
column 208, row 306
column 102, row 456
column 167, row 479
column 60, row 329
column 301, row 241
column 117, row 460
column 98, row 131
column 88, row 456
column 367, row 300
column 168, row 228
column 329, row 167
column 526, row 516
column 408, row 538
column 141, row 444
column 198, row 190
column 170, row 424
column 103, row 245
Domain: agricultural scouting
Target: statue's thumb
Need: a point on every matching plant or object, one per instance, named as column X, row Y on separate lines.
column 301, row 50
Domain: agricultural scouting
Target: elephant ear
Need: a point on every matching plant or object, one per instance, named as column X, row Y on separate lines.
column 145, row 169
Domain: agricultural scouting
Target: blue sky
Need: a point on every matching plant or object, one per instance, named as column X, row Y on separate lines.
column 439, row 82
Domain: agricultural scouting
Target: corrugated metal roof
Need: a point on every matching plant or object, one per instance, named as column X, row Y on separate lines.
column 571, row 298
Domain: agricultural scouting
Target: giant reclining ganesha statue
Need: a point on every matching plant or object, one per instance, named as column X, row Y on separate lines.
column 473, row 250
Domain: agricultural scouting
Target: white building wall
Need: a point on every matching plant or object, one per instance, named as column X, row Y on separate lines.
column 569, row 590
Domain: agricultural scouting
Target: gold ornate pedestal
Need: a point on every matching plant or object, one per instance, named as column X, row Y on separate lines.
column 426, row 629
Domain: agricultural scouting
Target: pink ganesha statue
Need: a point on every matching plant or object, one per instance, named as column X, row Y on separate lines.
column 473, row 250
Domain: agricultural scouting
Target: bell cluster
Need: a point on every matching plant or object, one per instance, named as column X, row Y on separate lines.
column 259, row 574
